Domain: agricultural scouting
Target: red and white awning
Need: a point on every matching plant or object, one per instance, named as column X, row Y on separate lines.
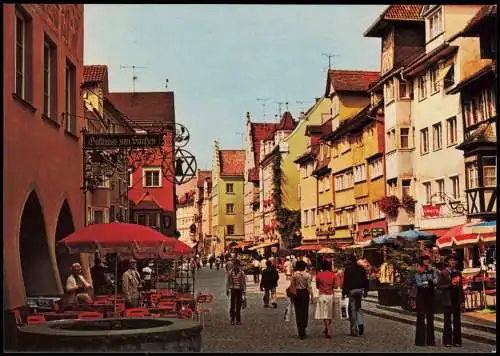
column 461, row 236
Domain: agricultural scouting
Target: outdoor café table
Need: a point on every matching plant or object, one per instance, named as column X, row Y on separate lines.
column 183, row 300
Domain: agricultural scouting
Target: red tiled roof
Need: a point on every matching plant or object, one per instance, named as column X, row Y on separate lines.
column 232, row 162
column 260, row 131
column 350, row 80
column 146, row 106
column 96, row 73
column 403, row 12
column 287, row 122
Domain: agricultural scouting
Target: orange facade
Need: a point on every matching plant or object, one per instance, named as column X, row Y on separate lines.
column 43, row 202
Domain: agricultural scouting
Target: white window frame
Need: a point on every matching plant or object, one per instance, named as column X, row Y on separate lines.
column 433, row 79
column 455, row 187
column 389, row 90
column 493, row 168
column 151, row 169
column 306, row 217
column 435, row 23
column 363, row 214
column 339, row 218
column 441, row 188
column 437, row 136
column 404, row 94
column 375, row 167
column 359, row 173
column 422, row 86
column 376, row 212
column 451, row 130
column 328, row 216
column 424, row 144
column 427, row 191
column 401, row 137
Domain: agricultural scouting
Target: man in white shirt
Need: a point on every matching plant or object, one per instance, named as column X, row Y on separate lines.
column 256, row 270
column 77, row 286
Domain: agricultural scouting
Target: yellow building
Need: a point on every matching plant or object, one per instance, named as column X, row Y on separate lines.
column 227, row 197
column 347, row 90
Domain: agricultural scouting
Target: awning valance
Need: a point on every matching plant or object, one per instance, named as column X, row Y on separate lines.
column 262, row 245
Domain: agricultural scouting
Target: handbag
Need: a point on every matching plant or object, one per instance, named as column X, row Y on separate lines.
column 291, row 291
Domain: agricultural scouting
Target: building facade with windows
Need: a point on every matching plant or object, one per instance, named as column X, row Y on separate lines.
column 347, row 90
column 227, row 198
column 206, row 216
column 402, row 31
column 437, row 117
column 43, row 117
column 185, row 211
column 151, row 195
column 106, row 194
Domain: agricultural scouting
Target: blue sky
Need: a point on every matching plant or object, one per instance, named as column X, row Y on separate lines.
column 220, row 58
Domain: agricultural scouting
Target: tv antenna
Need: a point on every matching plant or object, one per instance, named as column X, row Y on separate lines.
column 242, row 141
column 264, row 101
column 166, row 83
column 134, row 77
column 302, row 103
column 330, row 57
column 280, row 104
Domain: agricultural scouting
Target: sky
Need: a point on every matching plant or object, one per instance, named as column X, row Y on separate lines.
column 220, row 59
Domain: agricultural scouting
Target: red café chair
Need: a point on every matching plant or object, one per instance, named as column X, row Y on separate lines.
column 168, row 308
column 154, row 298
column 201, row 310
column 36, row 319
column 186, row 313
column 90, row 315
column 136, row 312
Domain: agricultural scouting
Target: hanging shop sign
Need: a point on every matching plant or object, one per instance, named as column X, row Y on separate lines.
column 105, row 141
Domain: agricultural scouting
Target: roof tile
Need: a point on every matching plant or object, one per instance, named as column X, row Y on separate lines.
column 202, row 176
column 403, row 12
column 351, row 80
column 260, row 131
column 287, row 122
column 145, row 106
column 232, row 162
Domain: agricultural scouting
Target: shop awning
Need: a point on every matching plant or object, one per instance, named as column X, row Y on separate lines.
column 262, row 245
column 444, row 71
column 460, row 236
column 360, row 245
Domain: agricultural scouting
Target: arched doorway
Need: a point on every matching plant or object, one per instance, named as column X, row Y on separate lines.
column 36, row 264
column 65, row 227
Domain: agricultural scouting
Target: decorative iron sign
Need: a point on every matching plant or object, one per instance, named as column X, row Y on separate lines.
column 106, row 141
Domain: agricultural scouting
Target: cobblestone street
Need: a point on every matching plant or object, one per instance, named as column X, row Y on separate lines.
column 264, row 330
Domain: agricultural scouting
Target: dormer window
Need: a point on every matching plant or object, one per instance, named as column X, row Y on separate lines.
column 435, row 23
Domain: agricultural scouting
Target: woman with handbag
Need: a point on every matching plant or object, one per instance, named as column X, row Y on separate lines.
column 301, row 282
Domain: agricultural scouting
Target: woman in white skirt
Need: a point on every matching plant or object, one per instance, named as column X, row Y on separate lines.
column 325, row 282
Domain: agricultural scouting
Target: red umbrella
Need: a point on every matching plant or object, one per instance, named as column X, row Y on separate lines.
column 125, row 239
column 458, row 236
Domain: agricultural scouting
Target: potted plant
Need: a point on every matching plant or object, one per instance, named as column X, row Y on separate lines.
column 408, row 204
column 390, row 205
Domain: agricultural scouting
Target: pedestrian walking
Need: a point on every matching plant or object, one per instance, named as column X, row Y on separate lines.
column 236, row 288
column 288, row 268
column 263, row 264
column 453, row 299
column 355, row 286
column 301, row 280
column 426, row 279
column 211, row 261
column 131, row 282
column 326, row 284
column 256, row 270
column 217, row 262
column 269, row 283
column 229, row 264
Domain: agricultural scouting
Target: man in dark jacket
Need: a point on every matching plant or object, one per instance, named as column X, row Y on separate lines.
column 268, row 284
column 355, row 286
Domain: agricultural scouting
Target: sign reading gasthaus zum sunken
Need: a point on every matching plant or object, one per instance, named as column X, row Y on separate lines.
column 103, row 141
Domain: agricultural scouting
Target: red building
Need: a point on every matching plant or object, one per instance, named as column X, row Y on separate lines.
column 42, row 72
column 151, row 194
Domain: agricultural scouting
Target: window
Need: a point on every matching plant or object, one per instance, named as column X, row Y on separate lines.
column 440, row 189
column 112, row 213
column 424, row 141
column 404, row 90
column 152, row 177
column 472, row 175
column 321, row 216
column 339, row 218
column 98, row 217
column 435, row 24
column 229, row 188
column 359, row 173
column 391, row 140
column 350, row 217
column 230, row 209
column 489, row 171
column 70, row 98
column 376, row 212
column 449, row 78
column 406, row 186
column 130, row 178
column 339, row 182
column 376, row 169
column 328, row 216
column 451, row 130
column 306, row 217
column 327, row 183
column 23, row 54
column 230, row 229
column 437, row 138
column 348, row 181
column 389, row 90
column 434, row 74
column 103, row 182
column 422, row 86
column 455, row 187
column 313, row 217
column 428, row 191
column 392, row 186
column 49, row 78
column 404, row 134
column 363, row 212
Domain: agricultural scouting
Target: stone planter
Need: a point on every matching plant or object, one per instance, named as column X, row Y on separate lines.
column 389, row 295
column 113, row 335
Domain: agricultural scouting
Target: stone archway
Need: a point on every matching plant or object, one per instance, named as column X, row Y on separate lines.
column 65, row 227
column 36, row 263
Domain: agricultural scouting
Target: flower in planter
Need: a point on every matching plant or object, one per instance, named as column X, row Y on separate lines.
column 408, row 204
column 390, row 205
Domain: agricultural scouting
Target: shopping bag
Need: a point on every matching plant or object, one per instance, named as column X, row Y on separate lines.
column 243, row 302
column 344, row 308
column 289, row 310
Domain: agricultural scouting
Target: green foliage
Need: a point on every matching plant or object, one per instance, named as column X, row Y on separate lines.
column 289, row 221
column 405, row 259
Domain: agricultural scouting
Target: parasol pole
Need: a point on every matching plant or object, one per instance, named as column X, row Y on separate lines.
column 116, row 280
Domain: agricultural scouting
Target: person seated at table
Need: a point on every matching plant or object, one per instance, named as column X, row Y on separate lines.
column 77, row 286
column 98, row 274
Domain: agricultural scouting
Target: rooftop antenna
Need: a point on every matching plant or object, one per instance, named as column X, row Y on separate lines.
column 302, row 104
column 134, row 77
column 280, row 103
column 166, row 83
column 242, row 141
column 330, row 57
column 264, row 101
